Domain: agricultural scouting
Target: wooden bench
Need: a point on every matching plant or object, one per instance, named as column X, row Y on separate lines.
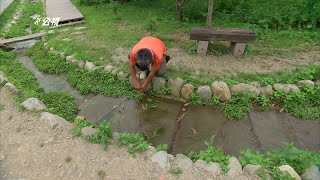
column 238, row 38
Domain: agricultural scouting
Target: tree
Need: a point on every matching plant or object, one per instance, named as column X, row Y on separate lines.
column 179, row 4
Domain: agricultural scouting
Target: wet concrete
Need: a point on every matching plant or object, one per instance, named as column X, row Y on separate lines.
column 259, row 131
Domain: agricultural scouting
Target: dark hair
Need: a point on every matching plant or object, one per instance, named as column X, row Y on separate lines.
column 144, row 58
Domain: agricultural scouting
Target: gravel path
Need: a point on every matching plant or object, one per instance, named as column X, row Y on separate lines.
column 30, row 150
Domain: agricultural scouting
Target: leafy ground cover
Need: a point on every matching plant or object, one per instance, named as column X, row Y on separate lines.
column 25, row 21
column 58, row 103
column 8, row 15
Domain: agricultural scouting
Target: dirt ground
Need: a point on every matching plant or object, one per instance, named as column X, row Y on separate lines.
column 30, row 150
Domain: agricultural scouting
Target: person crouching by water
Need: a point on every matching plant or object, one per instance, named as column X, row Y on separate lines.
column 148, row 55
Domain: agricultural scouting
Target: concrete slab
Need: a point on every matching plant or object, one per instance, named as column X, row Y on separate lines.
column 64, row 9
column 98, row 107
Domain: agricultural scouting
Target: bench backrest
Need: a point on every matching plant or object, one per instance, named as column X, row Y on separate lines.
column 222, row 34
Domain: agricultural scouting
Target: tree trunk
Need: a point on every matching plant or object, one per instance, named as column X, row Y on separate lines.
column 121, row 2
column 210, row 9
column 179, row 4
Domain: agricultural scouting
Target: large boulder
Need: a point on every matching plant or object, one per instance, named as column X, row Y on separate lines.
column 204, row 92
column 255, row 84
column 186, row 91
column 54, row 121
column 266, row 90
column 161, row 158
column 286, row 88
column 183, row 162
column 88, row 131
column 33, row 104
column 175, row 85
column 311, row 173
column 221, row 90
column 306, row 83
column 235, row 168
column 290, row 170
column 158, row 83
column 241, row 88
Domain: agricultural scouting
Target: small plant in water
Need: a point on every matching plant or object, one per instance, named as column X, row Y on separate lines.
column 175, row 171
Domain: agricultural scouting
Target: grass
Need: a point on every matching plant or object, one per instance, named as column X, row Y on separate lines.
column 101, row 174
column 68, row 159
column 2, row 107
column 8, row 15
column 24, row 80
column 175, row 171
column 25, row 21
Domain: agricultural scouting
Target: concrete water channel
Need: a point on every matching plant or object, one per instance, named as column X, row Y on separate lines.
column 259, row 131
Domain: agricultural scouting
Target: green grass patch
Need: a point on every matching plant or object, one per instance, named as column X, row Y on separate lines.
column 290, row 155
column 134, row 142
column 103, row 135
column 58, row 103
column 8, row 15
column 162, row 147
column 25, row 21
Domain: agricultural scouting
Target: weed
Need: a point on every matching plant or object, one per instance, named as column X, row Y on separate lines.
column 175, row 171
column 212, row 154
column 81, row 124
column 195, row 99
column 290, row 155
column 68, row 159
column 115, row 6
column 41, row 144
column 263, row 101
column 134, row 142
column 151, row 25
column 2, row 107
column 10, row 117
column 103, row 135
column 101, row 174
column 162, row 147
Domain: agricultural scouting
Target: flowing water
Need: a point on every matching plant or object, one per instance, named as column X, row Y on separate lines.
column 156, row 119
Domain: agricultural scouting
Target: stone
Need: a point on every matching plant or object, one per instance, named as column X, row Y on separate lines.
column 33, row 104
column 186, row 91
column 115, row 135
column 114, row 71
column 88, row 131
column 89, row 66
column 151, row 151
column 237, row 49
column 212, row 167
column 175, row 86
column 62, row 54
column 51, row 31
column 204, row 92
column 109, row 68
column 266, row 90
column 202, row 48
column 221, row 90
column 121, row 76
column 311, row 173
column 183, row 162
column 81, row 118
column 34, row 16
column 143, row 75
column 241, row 88
column 255, row 84
column 306, row 83
column 286, row 88
column 76, row 33
column 235, row 168
column 81, row 64
column 251, row 170
column 69, row 58
column 66, row 39
column 10, row 87
column 161, row 158
column 158, row 83
column 3, row 78
column 45, row 45
column 63, row 30
column 171, row 157
column 51, row 49
column 79, row 28
column 290, row 170
column 54, row 121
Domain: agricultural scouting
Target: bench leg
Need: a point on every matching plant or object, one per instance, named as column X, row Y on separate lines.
column 202, row 48
column 237, row 49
